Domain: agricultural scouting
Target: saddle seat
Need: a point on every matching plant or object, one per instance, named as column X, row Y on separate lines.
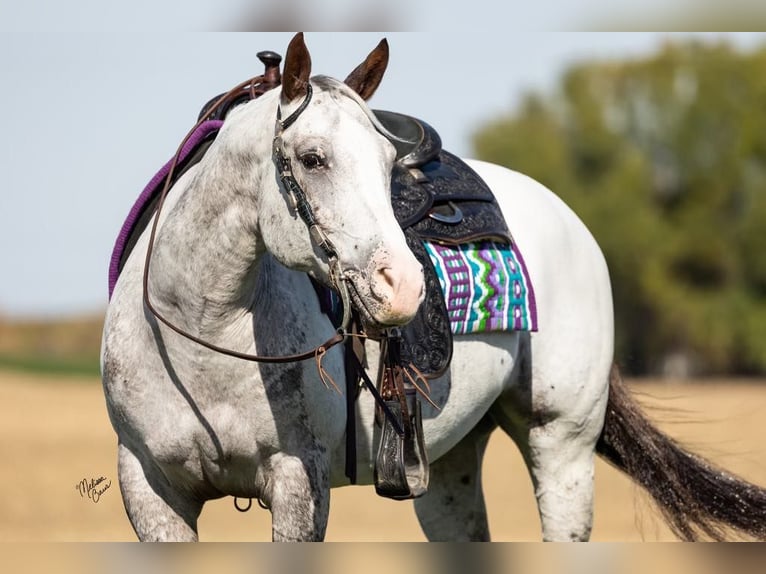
column 418, row 142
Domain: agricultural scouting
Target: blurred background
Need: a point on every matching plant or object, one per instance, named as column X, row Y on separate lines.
column 656, row 139
column 663, row 156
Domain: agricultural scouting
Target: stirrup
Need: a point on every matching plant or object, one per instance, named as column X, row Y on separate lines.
column 401, row 466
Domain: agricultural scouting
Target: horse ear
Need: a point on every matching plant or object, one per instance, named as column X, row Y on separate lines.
column 365, row 79
column 295, row 77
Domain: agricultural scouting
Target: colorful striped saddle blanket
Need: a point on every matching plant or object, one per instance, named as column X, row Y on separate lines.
column 486, row 287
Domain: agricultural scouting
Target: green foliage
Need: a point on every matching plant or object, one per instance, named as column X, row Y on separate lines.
column 664, row 159
column 61, row 366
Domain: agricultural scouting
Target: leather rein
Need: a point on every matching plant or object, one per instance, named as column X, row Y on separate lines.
column 300, row 204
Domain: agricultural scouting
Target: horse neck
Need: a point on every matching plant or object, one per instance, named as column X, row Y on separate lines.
column 206, row 257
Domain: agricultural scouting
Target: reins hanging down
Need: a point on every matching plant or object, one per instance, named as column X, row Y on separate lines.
column 304, row 210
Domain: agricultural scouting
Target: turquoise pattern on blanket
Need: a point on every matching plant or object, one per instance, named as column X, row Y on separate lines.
column 486, row 287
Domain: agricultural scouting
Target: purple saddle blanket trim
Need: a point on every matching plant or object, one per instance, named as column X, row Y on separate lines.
column 150, row 191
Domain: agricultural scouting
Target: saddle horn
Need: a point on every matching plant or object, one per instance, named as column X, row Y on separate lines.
column 271, row 74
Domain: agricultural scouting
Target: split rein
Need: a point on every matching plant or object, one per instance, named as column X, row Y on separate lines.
column 300, row 204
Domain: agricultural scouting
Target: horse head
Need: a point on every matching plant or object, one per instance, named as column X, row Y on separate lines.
column 330, row 212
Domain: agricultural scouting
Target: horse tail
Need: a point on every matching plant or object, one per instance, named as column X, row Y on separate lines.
column 696, row 499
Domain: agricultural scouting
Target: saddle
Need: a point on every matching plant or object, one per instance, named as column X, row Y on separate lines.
column 436, row 197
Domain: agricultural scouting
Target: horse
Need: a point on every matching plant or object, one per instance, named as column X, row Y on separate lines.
column 232, row 262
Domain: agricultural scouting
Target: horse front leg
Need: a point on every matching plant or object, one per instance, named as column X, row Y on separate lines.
column 298, row 495
column 157, row 511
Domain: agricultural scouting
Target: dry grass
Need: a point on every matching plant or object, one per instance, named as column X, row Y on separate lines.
column 54, row 434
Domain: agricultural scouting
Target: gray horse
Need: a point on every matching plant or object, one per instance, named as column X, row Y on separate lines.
column 230, row 264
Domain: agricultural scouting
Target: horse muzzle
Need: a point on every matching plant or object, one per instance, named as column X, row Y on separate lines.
column 394, row 289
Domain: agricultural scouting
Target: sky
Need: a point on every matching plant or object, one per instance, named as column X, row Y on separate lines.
column 404, row 15
column 91, row 116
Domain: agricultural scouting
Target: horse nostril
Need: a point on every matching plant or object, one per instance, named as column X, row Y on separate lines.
column 389, row 277
column 394, row 284
column 386, row 283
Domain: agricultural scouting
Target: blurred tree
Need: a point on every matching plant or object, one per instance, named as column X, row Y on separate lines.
column 664, row 159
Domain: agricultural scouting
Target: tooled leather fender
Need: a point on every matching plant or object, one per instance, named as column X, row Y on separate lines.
column 427, row 339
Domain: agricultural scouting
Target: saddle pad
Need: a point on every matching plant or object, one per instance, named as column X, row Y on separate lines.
column 486, row 287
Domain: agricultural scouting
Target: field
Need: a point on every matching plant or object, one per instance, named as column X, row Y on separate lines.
column 55, row 432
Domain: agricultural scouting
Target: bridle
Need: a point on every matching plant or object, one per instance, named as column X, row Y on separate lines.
column 301, row 205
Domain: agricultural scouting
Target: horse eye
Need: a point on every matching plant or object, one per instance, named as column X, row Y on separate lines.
column 312, row 160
